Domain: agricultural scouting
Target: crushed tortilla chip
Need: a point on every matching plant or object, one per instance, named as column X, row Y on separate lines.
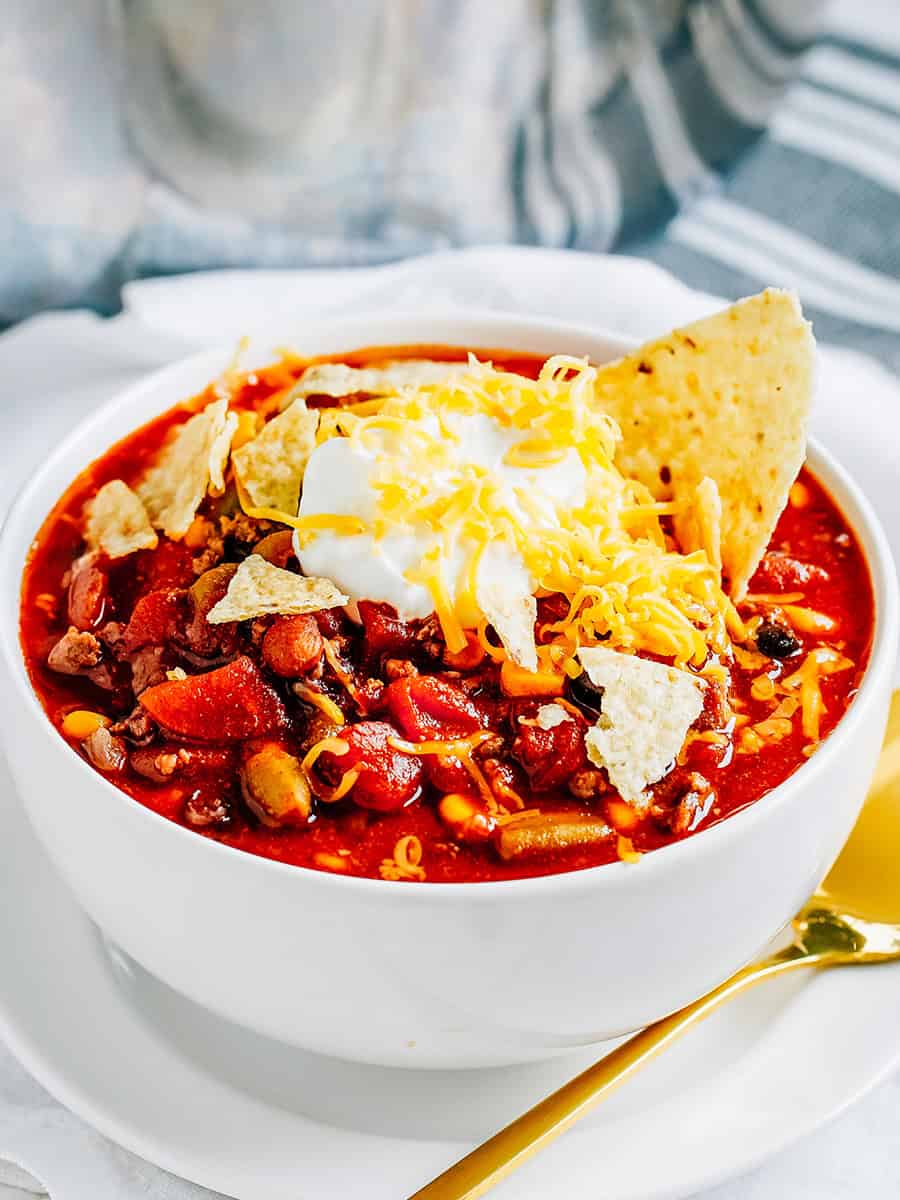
column 258, row 588
column 701, row 525
column 116, row 522
column 647, row 709
column 506, row 601
column 550, row 715
column 270, row 467
column 727, row 397
column 337, row 379
column 190, row 464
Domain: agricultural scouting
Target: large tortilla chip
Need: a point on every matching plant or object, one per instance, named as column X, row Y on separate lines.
column 116, row 522
column 270, row 467
column 258, row 588
column 192, row 462
column 727, row 397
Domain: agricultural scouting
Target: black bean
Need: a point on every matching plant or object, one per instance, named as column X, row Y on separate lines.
column 775, row 641
column 585, row 694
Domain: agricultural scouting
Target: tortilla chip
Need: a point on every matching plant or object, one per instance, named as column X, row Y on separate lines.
column 727, row 397
column 337, row 379
column 193, row 461
column 258, row 588
column 701, row 527
column 116, row 522
column 646, row 711
column 270, row 467
column 503, row 593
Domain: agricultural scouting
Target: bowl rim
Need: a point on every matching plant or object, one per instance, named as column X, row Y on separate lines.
column 865, row 524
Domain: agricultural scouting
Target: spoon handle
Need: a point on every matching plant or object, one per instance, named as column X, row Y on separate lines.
column 496, row 1158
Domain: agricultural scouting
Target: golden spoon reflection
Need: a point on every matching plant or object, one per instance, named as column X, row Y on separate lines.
column 853, row 918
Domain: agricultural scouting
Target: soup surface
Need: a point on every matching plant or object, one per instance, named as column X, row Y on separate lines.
column 355, row 740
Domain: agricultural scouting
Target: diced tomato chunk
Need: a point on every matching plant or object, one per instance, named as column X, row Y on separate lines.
column 550, row 756
column 388, row 779
column 330, row 621
column 427, row 707
column 779, row 572
column 155, row 619
column 385, row 632
column 169, row 565
column 225, row 705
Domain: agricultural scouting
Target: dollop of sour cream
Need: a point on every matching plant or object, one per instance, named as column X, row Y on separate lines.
column 340, row 478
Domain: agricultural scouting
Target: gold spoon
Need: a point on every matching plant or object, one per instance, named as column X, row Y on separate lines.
column 853, row 919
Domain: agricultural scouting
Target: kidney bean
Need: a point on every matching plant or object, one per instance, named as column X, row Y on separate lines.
column 88, row 592
column 292, row 646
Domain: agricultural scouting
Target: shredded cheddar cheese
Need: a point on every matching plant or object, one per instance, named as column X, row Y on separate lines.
column 406, row 861
column 333, row 745
column 818, row 663
column 461, row 748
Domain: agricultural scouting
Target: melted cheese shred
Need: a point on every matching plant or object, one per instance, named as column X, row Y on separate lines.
column 610, row 556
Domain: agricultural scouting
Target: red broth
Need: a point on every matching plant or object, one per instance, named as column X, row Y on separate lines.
column 813, row 552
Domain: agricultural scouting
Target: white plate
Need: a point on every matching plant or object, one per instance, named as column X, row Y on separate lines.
column 256, row 1120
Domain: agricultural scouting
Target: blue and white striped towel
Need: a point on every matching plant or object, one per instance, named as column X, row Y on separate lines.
column 627, row 124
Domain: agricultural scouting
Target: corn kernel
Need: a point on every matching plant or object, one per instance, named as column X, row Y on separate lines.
column 330, row 862
column 456, row 809
column 621, row 815
column 626, row 851
column 516, row 681
column 81, row 723
column 197, row 534
column 799, row 495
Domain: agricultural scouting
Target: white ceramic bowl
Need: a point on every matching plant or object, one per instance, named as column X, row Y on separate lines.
column 429, row 974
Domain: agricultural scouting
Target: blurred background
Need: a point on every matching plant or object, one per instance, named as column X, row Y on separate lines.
column 734, row 141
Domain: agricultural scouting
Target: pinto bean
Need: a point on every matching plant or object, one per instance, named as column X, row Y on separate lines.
column 275, row 789
column 292, row 646
column 106, row 752
column 88, row 592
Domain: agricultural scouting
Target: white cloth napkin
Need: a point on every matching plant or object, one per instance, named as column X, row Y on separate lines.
column 56, row 367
